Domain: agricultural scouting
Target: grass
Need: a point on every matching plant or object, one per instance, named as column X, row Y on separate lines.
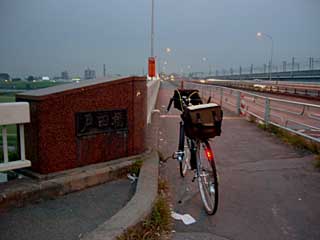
column 11, row 135
column 294, row 140
column 11, row 129
column 157, row 224
column 23, row 85
column 7, row 98
column 317, row 162
column 135, row 167
column 11, row 155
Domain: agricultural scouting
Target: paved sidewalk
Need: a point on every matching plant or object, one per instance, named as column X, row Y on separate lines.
column 101, row 212
column 268, row 189
column 67, row 217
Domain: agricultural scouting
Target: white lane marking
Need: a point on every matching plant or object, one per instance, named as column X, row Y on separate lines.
column 169, row 116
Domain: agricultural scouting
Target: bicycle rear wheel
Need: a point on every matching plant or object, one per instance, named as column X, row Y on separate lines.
column 207, row 177
column 184, row 165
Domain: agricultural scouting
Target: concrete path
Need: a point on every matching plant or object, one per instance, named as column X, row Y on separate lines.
column 67, row 217
column 98, row 213
column 268, row 190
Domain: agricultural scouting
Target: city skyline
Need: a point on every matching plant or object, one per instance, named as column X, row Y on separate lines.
column 45, row 38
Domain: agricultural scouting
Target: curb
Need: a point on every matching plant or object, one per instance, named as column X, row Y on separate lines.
column 138, row 208
column 23, row 191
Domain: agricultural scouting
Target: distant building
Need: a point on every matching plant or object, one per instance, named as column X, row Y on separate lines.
column 4, row 76
column 45, row 78
column 89, row 74
column 64, row 75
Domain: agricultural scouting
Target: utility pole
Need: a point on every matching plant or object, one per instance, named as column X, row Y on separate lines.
column 152, row 29
column 152, row 60
column 292, row 69
column 311, row 63
column 104, row 70
column 284, row 66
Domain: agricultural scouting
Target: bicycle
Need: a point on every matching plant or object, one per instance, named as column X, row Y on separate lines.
column 194, row 151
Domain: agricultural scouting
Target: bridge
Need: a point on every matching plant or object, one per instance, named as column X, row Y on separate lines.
column 310, row 75
column 296, row 75
column 269, row 189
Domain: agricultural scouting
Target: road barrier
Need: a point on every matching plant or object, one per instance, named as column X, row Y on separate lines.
column 153, row 89
column 300, row 118
column 311, row 92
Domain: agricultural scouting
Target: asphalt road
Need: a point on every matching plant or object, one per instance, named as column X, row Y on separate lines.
column 268, row 190
column 67, row 217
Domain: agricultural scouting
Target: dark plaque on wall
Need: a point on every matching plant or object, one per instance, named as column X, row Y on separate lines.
column 91, row 123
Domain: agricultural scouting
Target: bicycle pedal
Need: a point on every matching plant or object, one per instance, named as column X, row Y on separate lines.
column 178, row 155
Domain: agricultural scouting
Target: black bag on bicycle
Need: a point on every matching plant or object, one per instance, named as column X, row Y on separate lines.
column 203, row 121
column 179, row 94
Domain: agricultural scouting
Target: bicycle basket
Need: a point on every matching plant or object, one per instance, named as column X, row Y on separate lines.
column 203, row 121
column 193, row 94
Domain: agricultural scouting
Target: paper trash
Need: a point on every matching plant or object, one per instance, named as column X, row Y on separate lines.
column 132, row 177
column 187, row 219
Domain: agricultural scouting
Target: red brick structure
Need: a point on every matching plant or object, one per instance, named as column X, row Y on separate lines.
column 83, row 123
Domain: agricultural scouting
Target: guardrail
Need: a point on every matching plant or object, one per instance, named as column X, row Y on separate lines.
column 312, row 92
column 153, row 89
column 300, row 118
column 14, row 113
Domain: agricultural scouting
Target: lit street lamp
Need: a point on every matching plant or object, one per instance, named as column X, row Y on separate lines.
column 259, row 35
column 189, row 69
column 204, row 60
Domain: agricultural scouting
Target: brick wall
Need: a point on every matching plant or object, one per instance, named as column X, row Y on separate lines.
column 52, row 138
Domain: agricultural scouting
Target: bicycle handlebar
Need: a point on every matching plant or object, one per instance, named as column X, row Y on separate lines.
column 185, row 101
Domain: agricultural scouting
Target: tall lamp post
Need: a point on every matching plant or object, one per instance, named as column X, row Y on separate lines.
column 152, row 60
column 204, row 60
column 260, row 34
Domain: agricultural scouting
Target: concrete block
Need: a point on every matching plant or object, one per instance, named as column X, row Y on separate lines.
column 14, row 113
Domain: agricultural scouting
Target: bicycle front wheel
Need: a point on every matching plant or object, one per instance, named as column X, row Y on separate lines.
column 184, row 165
column 207, row 177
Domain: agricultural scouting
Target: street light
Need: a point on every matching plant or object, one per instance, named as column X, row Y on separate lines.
column 189, row 69
column 260, row 34
column 152, row 60
column 167, row 50
column 204, row 60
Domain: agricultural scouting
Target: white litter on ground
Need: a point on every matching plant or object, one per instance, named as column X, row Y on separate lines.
column 132, row 177
column 187, row 219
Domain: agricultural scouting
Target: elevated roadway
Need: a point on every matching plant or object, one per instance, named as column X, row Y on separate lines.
column 268, row 189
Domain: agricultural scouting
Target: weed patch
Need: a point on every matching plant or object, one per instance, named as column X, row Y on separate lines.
column 12, row 156
column 135, row 167
column 292, row 139
column 317, row 162
column 157, row 224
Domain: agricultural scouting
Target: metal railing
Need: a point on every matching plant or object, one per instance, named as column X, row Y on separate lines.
column 14, row 113
column 300, row 118
column 310, row 91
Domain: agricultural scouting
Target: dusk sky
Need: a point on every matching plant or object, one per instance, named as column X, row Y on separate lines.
column 45, row 37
